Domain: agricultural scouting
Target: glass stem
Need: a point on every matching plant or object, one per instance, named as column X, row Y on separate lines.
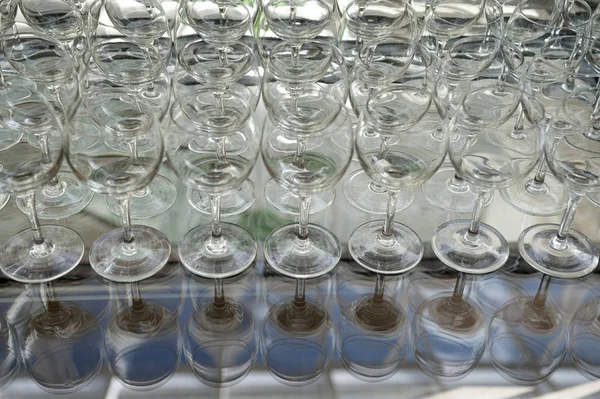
column 304, row 214
column 219, row 299
column 134, row 296
column 459, row 287
column 124, row 212
column 559, row 242
column 49, row 298
column 27, row 203
column 133, row 152
column 388, row 226
column 542, row 293
column 55, row 93
column 471, row 237
column 300, row 153
column 296, row 54
column 300, row 296
column 215, row 210
column 379, row 287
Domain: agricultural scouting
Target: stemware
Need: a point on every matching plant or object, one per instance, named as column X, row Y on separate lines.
column 9, row 350
column 532, row 19
column 486, row 155
column 449, row 334
column 41, row 253
column 293, row 330
column 220, row 339
column 56, row 334
column 546, row 78
column 583, row 338
column 313, row 92
column 143, row 342
column 47, row 63
column 527, row 338
column 214, row 158
column 133, row 252
column 219, row 22
column 396, row 148
column 304, row 162
column 558, row 250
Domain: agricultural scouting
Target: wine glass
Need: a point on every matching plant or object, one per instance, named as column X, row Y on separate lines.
column 314, row 89
column 546, row 78
column 298, row 340
column 219, row 22
column 220, row 339
column 133, row 252
column 527, row 339
column 198, row 74
column 486, row 155
column 304, row 162
column 225, row 150
column 558, row 250
column 58, row 333
column 396, row 147
column 375, row 324
column 531, row 19
column 143, row 342
column 449, row 334
column 42, row 253
column 583, row 338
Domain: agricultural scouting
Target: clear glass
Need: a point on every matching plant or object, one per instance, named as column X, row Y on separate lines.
column 528, row 338
column 133, row 252
column 9, row 350
column 449, row 335
column 41, row 253
column 558, row 250
column 214, row 161
column 449, row 19
column 143, row 343
column 56, row 333
column 396, row 147
column 300, row 329
column 217, row 22
column 486, row 155
column 305, row 162
column 584, row 337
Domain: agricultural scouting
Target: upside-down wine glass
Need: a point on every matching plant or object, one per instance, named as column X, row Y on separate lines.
column 313, row 92
column 541, row 194
column 396, row 148
column 226, row 148
column 584, row 333
column 133, row 252
column 305, row 161
column 487, row 156
column 41, row 253
column 48, row 63
column 558, row 250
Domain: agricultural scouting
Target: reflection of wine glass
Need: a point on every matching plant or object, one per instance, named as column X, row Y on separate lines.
column 298, row 340
column 220, row 339
column 527, row 338
column 373, row 324
column 143, row 343
column 584, row 337
column 62, row 345
column 9, row 353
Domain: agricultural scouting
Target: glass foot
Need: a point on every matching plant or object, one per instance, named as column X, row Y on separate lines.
column 287, row 202
column 25, row 262
column 115, row 260
column 439, row 193
column 233, row 202
column 68, row 197
column 155, row 199
column 483, row 253
column 217, row 257
column 547, row 200
column 291, row 256
column 4, row 198
column 393, row 254
column 363, row 194
column 576, row 257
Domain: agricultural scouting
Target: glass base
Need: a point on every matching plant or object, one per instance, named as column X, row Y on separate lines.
column 393, row 254
column 550, row 199
column 594, row 197
column 287, row 202
column 4, row 198
column 115, row 260
column 74, row 196
column 439, row 194
column 291, row 256
column 20, row 262
column 155, row 199
column 483, row 253
column 362, row 194
column 233, row 202
column 220, row 257
column 578, row 258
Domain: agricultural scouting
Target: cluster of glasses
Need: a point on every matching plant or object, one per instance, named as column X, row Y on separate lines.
column 503, row 98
